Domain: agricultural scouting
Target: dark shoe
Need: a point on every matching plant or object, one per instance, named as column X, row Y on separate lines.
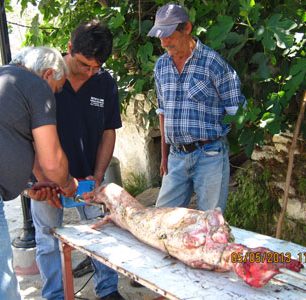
column 83, row 268
column 113, row 296
column 135, row 284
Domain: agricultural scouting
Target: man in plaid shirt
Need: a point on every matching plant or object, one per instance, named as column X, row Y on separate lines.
column 195, row 89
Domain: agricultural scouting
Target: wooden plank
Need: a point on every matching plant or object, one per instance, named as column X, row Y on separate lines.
column 121, row 251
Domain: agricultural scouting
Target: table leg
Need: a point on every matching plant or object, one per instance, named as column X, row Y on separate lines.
column 67, row 270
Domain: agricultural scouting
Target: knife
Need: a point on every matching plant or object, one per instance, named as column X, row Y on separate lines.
column 79, row 199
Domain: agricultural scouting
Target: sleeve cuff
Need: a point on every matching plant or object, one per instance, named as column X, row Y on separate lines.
column 159, row 111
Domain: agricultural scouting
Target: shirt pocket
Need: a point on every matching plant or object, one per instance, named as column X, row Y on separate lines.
column 198, row 89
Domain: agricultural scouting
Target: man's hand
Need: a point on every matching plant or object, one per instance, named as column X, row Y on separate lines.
column 69, row 189
column 163, row 166
column 97, row 182
column 45, row 194
column 89, row 196
column 43, row 184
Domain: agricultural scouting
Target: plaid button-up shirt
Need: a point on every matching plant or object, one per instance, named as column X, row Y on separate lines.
column 194, row 102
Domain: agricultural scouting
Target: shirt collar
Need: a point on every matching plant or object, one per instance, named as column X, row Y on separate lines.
column 197, row 51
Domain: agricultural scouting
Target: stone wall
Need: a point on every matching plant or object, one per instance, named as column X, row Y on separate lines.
column 276, row 156
column 137, row 146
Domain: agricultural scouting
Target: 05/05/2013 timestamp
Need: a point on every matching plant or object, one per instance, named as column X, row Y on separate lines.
column 267, row 256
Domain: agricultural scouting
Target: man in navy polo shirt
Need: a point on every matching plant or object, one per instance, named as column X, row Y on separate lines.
column 87, row 116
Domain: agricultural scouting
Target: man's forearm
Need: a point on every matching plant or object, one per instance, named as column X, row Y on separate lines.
column 164, row 146
column 50, row 157
column 104, row 153
column 37, row 171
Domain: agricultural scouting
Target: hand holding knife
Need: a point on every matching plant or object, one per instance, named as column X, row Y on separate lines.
column 51, row 192
column 44, row 191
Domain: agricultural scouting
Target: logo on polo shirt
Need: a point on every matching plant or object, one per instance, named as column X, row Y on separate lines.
column 96, row 102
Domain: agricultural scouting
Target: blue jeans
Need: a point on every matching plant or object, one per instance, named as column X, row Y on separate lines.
column 48, row 255
column 204, row 171
column 9, row 288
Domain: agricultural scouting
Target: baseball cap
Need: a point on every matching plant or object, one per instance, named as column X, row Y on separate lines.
column 166, row 20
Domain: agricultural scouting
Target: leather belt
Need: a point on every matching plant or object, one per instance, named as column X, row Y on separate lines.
column 188, row 148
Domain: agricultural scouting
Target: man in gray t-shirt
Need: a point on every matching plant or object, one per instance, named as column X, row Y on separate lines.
column 28, row 139
column 26, row 102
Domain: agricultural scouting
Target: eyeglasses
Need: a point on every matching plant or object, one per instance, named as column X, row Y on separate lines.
column 86, row 68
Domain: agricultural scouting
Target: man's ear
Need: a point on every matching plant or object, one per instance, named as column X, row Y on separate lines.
column 69, row 47
column 188, row 28
column 47, row 74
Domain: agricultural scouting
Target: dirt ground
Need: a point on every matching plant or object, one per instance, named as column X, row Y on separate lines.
column 30, row 285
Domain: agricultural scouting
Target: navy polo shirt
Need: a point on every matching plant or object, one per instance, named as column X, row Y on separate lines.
column 82, row 117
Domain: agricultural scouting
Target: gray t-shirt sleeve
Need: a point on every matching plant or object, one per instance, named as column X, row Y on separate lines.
column 42, row 106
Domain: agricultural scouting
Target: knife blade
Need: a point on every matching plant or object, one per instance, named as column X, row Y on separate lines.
column 79, row 199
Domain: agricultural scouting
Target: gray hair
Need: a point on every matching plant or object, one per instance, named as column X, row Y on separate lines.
column 39, row 59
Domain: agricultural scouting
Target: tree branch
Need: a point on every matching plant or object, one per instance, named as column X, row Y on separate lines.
column 290, row 166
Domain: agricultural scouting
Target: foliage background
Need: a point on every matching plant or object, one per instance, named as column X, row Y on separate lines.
column 263, row 40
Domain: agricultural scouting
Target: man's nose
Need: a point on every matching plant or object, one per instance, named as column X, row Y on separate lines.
column 91, row 71
column 164, row 40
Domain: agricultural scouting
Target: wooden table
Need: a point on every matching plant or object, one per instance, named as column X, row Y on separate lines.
column 172, row 279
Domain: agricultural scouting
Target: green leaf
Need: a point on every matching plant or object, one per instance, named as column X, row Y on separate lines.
column 277, row 32
column 24, row 4
column 122, row 42
column 261, row 60
column 239, row 39
column 199, row 30
column 303, row 16
column 269, row 120
column 144, row 52
column 218, row 32
column 297, row 77
column 245, row 7
column 253, row 114
column 139, row 85
column 281, row 28
column 276, row 103
column 274, row 126
column 267, row 116
column 229, row 119
column 147, row 67
column 192, row 14
column 146, row 25
column 259, row 136
column 116, row 21
column 8, row 6
column 268, row 40
column 35, row 38
column 259, row 33
column 235, row 50
column 247, row 138
column 234, row 38
column 241, row 120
